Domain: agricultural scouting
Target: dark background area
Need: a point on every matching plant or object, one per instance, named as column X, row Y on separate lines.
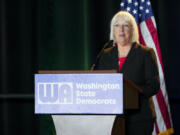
column 67, row 35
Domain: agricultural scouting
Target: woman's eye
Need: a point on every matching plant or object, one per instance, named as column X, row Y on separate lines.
column 126, row 25
column 123, row 26
column 116, row 25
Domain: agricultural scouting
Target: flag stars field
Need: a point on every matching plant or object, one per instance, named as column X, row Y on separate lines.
column 141, row 7
column 122, row 4
column 128, row 9
column 129, row 1
column 134, row 11
column 148, row 3
column 136, row 3
column 147, row 10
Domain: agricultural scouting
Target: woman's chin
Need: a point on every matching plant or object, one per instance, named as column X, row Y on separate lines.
column 122, row 42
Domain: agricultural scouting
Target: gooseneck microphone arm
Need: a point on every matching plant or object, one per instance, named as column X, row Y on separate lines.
column 107, row 45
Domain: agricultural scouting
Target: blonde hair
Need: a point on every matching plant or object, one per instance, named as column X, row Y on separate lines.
column 130, row 19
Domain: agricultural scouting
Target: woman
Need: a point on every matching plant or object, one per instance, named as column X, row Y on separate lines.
column 138, row 64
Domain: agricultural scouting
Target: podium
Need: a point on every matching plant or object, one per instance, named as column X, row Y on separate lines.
column 131, row 91
column 109, row 124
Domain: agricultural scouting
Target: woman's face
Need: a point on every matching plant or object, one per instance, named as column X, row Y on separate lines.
column 122, row 31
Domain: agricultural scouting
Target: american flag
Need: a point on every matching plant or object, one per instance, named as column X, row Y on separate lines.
column 142, row 11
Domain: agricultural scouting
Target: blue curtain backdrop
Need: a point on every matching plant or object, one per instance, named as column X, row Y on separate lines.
column 67, row 35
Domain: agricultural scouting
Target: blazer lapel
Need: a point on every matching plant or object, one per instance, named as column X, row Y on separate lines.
column 114, row 56
column 129, row 57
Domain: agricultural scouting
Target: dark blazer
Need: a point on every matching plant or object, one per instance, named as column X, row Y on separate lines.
column 141, row 68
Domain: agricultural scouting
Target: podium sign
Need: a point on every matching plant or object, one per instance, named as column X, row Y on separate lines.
column 79, row 93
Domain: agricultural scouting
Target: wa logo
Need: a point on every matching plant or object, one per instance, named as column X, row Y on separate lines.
column 55, row 93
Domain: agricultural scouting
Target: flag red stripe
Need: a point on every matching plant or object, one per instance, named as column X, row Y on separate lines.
column 156, row 127
column 141, row 40
column 163, row 109
column 154, row 36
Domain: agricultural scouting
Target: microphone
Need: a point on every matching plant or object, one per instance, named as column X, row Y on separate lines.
column 107, row 45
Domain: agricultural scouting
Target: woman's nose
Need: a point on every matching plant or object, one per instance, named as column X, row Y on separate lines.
column 121, row 28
